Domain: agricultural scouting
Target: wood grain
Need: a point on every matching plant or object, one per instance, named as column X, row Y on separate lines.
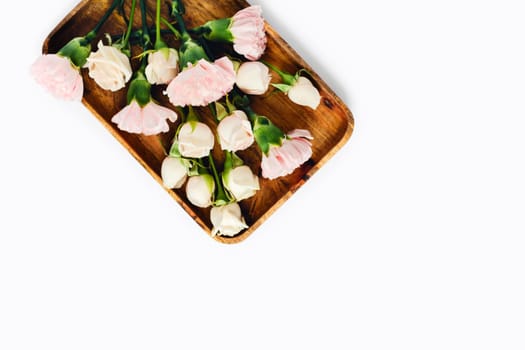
column 331, row 124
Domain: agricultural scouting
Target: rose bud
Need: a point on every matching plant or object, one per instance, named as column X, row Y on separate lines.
column 304, row 93
column 195, row 140
column 109, row 67
column 163, row 66
column 227, row 220
column 173, row 173
column 253, row 78
column 235, row 132
column 241, row 182
column 200, row 189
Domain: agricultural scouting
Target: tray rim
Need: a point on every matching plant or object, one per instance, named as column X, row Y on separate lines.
column 350, row 122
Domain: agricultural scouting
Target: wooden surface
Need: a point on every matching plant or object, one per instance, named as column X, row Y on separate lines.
column 331, row 123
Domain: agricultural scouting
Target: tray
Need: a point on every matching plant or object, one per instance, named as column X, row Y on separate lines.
column 331, row 123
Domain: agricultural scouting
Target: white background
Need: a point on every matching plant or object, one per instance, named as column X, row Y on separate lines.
column 411, row 237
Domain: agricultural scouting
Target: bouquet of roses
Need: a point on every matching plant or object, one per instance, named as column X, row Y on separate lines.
column 194, row 76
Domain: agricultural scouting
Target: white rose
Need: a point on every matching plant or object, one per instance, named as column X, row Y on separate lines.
column 227, row 220
column 253, row 78
column 163, row 66
column 195, row 140
column 173, row 173
column 199, row 190
column 235, row 132
column 304, row 93
column 109, row 67
column 241, row 182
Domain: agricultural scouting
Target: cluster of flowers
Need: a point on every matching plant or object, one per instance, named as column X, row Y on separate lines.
column 193, row 78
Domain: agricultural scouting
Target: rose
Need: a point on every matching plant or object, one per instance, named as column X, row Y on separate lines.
column 295, row 149
column 253, row 78
column 195, row 140
column 58, row 76
column 142, row 115
column 281, row 153
column 162, row 66
column 235, row 132
column 245, row 30
column 109, row 67
column 202, row 82
column 227, row 220
column 148, row 120
column 200, row 189
column 59, row 73
column 241, row 182
column 249, row 37
column 173, row 172
column 304, row 93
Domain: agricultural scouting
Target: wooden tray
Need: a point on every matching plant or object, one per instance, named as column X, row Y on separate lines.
column 331, row 124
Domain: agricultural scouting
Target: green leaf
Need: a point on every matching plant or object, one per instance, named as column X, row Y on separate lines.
column 192, row 166
column 236, row 160
column 177, row 7
column 139, row 90
column 220, row 111
column 77, row 50
column 282, row 87
column 266, row 134
column 174, row 150
column 219, row 30
column 191, row 52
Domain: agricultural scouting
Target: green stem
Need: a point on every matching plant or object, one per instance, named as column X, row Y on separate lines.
column 228, row 161
column 157, row 22
column 221, row 198
column 192, row 115
column 230, row 106
column 286, row 77
column 92, row 34
column 250, row 113
column 171, row 27
column 125, row 41
column 145, row 30
column 182, row 27
column 159, row 43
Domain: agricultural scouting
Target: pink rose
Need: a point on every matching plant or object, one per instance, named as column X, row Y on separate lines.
column 59, row 76
column 249, row 37
column 147, row 120
column 202, row 83
column 282, row 160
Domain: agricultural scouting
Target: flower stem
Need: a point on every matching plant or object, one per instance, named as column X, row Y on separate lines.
column 125, row 41
column 192, row 115
column 250, row 113
column 159, row 43
column 286, row 77
column 92, row 34
column 171, row 27
column 221, row 198
column 146, row 39
column 182, row 27
column 157, row 22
